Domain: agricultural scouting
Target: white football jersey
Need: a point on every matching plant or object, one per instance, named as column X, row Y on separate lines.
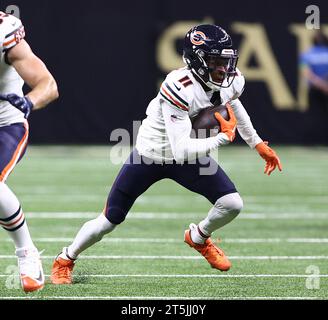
column 185, row 94
column 11, row 33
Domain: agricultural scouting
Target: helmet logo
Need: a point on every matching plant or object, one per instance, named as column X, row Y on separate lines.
column 198, row 38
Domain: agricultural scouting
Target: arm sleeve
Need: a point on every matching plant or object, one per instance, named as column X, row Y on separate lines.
column 14, row 32
column 178, row 128
column 244, row 125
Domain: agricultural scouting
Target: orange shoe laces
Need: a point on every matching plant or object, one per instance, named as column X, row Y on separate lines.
column 212, row 247
column 63, row 271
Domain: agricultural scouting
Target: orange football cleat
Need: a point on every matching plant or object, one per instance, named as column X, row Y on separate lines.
column 61, row 272
column 213, row 254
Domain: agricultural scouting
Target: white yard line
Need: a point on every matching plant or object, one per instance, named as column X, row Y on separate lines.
column 171, row 240
column 53, row 191
column 116, row 257
column 174, row 216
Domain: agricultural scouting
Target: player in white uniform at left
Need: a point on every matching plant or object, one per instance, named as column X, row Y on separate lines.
column 18, row 64
column 165, row 149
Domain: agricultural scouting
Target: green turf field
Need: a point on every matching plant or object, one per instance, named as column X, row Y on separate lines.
column 278, row 244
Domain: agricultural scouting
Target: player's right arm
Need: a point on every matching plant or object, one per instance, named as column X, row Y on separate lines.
column 178, row 127
column 30, row 68
column 34, row 72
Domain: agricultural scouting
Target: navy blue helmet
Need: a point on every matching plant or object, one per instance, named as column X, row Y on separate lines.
column 209, row 53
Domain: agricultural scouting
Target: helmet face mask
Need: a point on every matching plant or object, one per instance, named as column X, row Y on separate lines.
column 208, row 53
column 221, row 70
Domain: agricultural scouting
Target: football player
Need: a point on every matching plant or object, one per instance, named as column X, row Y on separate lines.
column 18, row 64
column 164, row 149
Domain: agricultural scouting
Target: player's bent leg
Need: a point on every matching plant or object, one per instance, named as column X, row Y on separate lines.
column 90, row 233
column 132, row 180
column 224, row 211
column 135, row 177
column 219, row 190
column 212, row 253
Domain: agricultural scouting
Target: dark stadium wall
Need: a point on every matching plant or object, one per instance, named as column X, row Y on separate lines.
column 110, row 57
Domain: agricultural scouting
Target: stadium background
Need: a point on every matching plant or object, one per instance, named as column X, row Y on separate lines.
column 109, row 58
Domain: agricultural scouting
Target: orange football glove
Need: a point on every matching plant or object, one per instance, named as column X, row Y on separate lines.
column 269, row 155
column 227, row 126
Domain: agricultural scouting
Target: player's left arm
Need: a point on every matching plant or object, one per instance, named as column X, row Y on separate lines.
column 35, row 74
column 249, row 134
column 245, row 127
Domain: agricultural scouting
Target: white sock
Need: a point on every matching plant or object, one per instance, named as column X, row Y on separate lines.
column 90, row 233
column 196, row 235
column 64, row 254
column 225, row 210
column 12, row 218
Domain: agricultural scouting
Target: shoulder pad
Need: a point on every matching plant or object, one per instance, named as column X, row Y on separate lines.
column 235, row 90
column 176, row 89
column 238, row 84
column 11, row 31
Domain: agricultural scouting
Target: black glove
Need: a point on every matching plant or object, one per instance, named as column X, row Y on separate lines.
column 23, row 104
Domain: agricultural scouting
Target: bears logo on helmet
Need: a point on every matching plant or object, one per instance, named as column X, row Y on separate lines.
column 197, row 38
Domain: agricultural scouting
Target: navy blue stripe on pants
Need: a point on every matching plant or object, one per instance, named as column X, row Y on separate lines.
column 137, row 175
column 10, row 138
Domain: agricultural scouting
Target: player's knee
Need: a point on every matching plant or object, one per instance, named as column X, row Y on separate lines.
column 231, row 203
column 118, row 205
column 115, row 215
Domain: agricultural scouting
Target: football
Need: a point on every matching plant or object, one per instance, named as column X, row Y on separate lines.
column 205, row 124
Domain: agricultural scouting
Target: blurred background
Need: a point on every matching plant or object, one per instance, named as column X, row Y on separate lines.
column 110, row 57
